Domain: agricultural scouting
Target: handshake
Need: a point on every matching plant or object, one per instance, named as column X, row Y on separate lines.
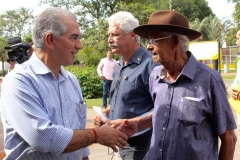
column 116, row 132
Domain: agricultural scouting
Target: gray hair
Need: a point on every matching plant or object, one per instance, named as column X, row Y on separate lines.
column 184, row 40
column 127, row 22
column 49, row 21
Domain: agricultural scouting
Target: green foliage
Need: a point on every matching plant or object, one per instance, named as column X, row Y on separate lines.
column 3, row 52
column 236, row 61
column 212, row 28
column 16, row 22
column 89, row 80
column 193, row 9
column 236, row 13
column 2, row 74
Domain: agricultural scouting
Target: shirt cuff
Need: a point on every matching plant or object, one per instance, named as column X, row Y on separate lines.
column 86, row 152
column 61, row 139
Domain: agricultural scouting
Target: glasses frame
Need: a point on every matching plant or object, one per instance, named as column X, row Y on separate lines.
column 153, row 41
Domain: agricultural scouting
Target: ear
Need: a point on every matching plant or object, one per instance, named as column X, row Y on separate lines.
column 133, row 35
column 175, row 41
column 49, row 40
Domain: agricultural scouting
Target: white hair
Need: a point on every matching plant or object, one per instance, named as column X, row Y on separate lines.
column 127, row 22
column 184, row 40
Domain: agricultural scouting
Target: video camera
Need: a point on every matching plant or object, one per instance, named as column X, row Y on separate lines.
column 18, row 50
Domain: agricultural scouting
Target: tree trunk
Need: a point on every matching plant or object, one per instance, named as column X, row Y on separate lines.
column 3, row 72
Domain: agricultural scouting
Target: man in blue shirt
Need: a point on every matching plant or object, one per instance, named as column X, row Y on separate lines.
column 129, row 91
column 43, row 112
column 191, row 110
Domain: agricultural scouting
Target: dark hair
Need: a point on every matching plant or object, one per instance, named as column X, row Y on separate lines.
column 8, row 60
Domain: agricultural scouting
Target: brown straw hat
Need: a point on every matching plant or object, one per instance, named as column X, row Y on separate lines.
column 167, row 21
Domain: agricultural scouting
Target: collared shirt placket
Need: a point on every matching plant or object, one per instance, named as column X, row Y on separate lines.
column 165, row 120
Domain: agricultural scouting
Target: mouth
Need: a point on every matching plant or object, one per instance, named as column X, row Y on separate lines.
column 112, row 45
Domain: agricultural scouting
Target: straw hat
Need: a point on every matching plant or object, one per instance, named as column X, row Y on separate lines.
column 167, row 21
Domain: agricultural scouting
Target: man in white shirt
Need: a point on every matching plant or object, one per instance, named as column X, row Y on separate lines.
column 105, row 70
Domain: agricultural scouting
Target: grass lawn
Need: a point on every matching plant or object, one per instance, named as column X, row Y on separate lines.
column 228, row 77
column 94, row 102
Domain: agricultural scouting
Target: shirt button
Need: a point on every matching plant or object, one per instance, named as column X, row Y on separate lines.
column 170, row 86
column 66, row 122
column 164, row 128
column 160, row 150
column 168, row 107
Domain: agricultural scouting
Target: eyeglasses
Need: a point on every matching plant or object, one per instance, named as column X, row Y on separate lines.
column 153, row 41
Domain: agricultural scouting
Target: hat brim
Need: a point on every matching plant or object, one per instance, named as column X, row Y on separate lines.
column 145, row 30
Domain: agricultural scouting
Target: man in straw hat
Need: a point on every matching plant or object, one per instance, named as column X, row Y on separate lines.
column 190, row 105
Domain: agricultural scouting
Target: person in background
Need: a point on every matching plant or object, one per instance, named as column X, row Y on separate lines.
column 191, row 109
column 43, row 110
column 11, row 63
column 105, row 70
column 129, row 91
column 232, row 91
column 31, row 49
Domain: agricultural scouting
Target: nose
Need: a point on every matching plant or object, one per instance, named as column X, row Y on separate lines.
column 110, row 40
column 149, row 47
column 79, row 45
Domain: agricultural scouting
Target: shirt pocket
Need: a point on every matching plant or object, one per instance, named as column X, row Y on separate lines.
column 189, row 113
column 78, row 118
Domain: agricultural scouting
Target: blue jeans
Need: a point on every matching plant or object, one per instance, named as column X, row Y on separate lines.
column 106, row 89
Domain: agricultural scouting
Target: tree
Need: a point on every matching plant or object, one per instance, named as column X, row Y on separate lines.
column 236, row 13
column 3, row 52
column 212, row 28
column 92, row 17
column 16, row 22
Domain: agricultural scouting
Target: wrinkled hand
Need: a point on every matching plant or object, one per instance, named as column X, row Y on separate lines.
column 116, row 123
column 234, row 93
column 128, row 127
column 98, row 121
column 111, row 137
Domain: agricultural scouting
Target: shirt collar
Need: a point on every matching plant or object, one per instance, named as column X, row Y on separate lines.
column 188, row 70
column 40, row 68
column 137, row 57
column 190, row 67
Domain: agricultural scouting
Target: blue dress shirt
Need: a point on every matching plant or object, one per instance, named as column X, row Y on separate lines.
column 129, row 91
column 189, row 114
column 40, row 112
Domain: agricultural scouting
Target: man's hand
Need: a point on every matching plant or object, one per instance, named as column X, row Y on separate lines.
column 102, row 78
column 98, row 121
column 234, row 93
column 111, row 137
column 116, row 123
column 128, row 127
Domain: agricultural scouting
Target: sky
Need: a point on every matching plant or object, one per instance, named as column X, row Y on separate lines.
column 221, row 8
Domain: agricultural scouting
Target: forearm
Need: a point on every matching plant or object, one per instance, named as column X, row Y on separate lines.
column 226, row 151
column 80, row 139
column 227, row 148
column 144, row 122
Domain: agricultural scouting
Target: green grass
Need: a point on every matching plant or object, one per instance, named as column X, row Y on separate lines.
column 228, row 77
column 94, row 102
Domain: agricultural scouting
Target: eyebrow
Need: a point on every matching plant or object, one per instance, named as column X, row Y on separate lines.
column 74, row 35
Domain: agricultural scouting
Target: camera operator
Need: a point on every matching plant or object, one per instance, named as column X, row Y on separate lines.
column 19, row 52
column 31, row 49
column 11, row 63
